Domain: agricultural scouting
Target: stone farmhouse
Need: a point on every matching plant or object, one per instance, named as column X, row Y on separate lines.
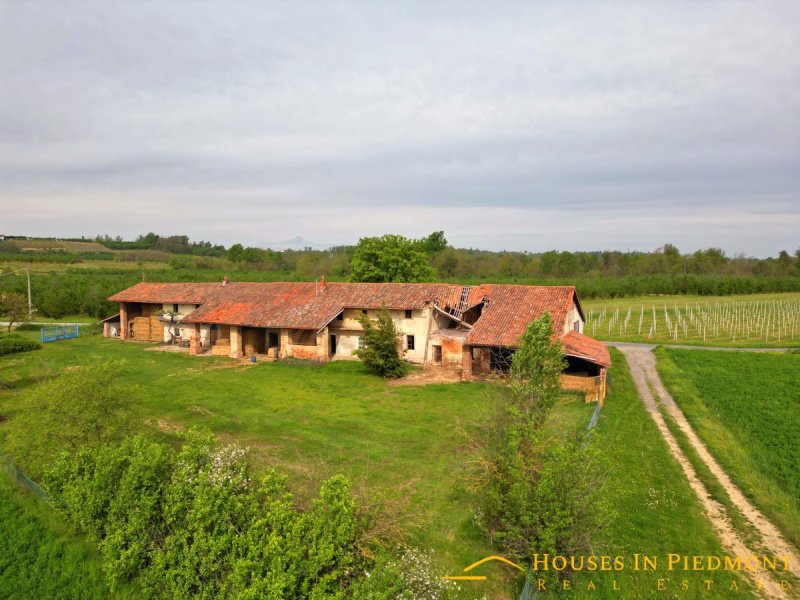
column 473, row 329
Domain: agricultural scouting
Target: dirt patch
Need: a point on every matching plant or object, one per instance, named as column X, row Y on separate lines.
column 642, row 364
column 175, row 349
column 166, row 425
column 428, row 376
column 199, row 410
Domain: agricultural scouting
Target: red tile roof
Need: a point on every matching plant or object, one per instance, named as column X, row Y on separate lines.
column 582, row 346
column 510, row 308
column 295, row 305
column 166, row 293
column 308, row 305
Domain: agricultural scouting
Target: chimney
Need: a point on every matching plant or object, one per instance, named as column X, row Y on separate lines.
column 225, row 280
column 322, row 285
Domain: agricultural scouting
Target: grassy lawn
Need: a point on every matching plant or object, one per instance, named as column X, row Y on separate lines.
column 39, row 555
column 403, row 447
column 746, row 408
column 746, row 328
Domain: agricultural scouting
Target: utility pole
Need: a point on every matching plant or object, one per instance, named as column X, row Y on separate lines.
column 30, row 304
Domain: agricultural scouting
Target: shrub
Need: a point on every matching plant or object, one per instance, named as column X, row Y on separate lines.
column 10, row 344
column 380, row 353
column 87, row 404
column 193, row 523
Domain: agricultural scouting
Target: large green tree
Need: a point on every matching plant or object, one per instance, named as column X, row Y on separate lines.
column 390, row 258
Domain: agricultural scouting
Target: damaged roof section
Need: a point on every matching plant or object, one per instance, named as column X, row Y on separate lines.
column 509, row 309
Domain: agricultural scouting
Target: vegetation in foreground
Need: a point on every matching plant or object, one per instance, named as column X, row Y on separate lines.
column 313, row 422
column 540, row 494
column 746, row 408
column 40, row 557
column 195, row 523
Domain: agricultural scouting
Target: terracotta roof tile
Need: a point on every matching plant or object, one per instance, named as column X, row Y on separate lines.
column 582, row 346
column 510, row 308
column 166, row 293
column 307, row 305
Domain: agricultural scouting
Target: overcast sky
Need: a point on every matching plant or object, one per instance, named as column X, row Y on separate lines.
column 520, row 126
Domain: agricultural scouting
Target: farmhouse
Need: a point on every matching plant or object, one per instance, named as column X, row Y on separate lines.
column 474, row 329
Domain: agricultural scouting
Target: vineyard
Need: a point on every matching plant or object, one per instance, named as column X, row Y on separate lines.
column 769, row 322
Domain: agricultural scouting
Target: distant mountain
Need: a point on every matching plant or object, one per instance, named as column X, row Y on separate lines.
column 296, row 243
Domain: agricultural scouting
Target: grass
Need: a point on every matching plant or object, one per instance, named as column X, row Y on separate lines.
column 746, row 408
column 657, row 512
column 403, row 447
column 729, row 321
column 40, row 557
column 399, row 445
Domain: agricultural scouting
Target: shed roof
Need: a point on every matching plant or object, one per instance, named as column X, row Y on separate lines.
column 582, row 346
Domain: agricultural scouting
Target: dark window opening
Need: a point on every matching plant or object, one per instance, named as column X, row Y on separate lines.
column 274, row 340
column 364, row 311
column 410, row 342
column 577, row 326
column 500, row 360
column 408, row 314
column 340, row 316
column 333, row 344
column 175, row 308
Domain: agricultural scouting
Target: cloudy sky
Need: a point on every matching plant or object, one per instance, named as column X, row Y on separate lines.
column 524, row 125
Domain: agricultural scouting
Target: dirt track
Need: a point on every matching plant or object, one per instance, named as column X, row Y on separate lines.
column 642, row 364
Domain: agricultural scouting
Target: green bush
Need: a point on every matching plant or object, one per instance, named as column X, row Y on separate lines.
column 193, row 523
column 380, row 353
column 9, row 344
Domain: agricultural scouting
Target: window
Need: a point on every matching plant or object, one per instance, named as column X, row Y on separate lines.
column 303, row 337
column 364, row 311
column 175, row 308
column 361, row 344
column 408, row 314
column 577, row 325
column 410, row 342
column 340, row 316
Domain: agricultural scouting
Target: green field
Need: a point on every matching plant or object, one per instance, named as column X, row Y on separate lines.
column 746, row 408
column 758, row 320
column 403, row 447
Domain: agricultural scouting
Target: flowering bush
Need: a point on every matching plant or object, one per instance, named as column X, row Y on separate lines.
column 193, row 523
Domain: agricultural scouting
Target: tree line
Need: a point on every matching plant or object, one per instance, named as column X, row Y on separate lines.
column 72, row 290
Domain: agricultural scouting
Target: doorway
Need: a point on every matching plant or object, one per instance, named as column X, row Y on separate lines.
column 437, row 355
column 332, row 345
